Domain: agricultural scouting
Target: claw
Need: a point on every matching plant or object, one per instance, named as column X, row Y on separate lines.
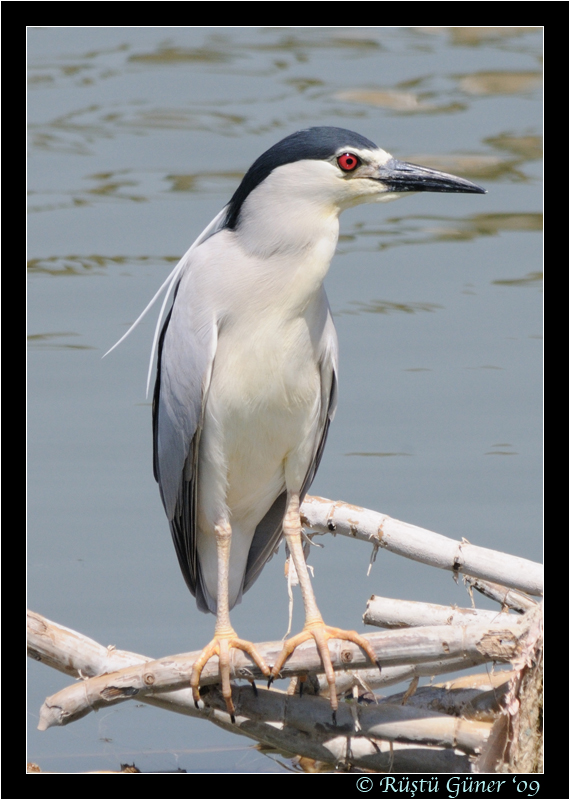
column 221, row 645
column 321, row 633
column 254, row 687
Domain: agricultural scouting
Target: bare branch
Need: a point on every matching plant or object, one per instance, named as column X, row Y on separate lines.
column 435, row 643
column 508, row 598
column 385, row 721
column 332, row 745
column 477, row 697
column 73, row 653
column 385, row 612
column 419, row 544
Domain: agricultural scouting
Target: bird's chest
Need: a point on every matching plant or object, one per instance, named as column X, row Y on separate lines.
column 265, row 388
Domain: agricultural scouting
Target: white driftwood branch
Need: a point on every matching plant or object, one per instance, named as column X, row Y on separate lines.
column 384, row 721
column 419, row 544
column 370, row 677
column 385, row 612
column 78, row 655
column 329, row 744
column 435, row 643
column 73, row 653
column 508, row 598
column 367, row 738
column 477, row 697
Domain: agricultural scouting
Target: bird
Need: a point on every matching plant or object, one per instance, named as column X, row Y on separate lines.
column 247, row 375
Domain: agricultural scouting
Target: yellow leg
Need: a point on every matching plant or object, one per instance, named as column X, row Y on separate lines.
column 314, row 626
column 224, row 635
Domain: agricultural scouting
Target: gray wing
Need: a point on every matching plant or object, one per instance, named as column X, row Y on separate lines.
column 185, row 358
column 269, row 532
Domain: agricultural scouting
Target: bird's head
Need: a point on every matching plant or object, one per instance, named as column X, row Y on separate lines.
column 331, row 168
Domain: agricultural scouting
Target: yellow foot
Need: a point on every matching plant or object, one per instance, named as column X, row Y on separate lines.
column 220, row 646
column 321, row 633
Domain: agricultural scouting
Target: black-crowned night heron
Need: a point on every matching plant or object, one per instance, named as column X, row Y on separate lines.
column 247, row 373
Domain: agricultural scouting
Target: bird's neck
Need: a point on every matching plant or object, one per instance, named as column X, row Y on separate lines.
column 291, row 215
column 297, row 230
column 293, row 253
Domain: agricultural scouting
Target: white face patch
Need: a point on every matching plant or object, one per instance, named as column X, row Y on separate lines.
column 361, row 183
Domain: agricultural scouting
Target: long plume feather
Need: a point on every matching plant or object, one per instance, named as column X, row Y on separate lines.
column 215, row 225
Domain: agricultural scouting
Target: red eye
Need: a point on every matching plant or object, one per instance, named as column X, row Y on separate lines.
column 347, row 162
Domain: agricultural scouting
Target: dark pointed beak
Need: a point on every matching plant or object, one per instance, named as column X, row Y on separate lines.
column 400, row 176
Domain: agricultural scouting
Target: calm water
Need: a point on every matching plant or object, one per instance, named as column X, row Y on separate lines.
column 137, row 139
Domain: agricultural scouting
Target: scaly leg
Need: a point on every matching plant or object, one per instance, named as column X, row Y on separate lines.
column 314, row 626
column 224, row 635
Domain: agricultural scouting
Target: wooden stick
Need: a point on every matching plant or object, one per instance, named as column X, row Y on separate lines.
column 435, row 643
column 385, row 612
column 370, row 677
column 327, row 516
column 333, row 745
column 71, row 652
column 477, row 697
column 384, row 721
column 508, row 598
